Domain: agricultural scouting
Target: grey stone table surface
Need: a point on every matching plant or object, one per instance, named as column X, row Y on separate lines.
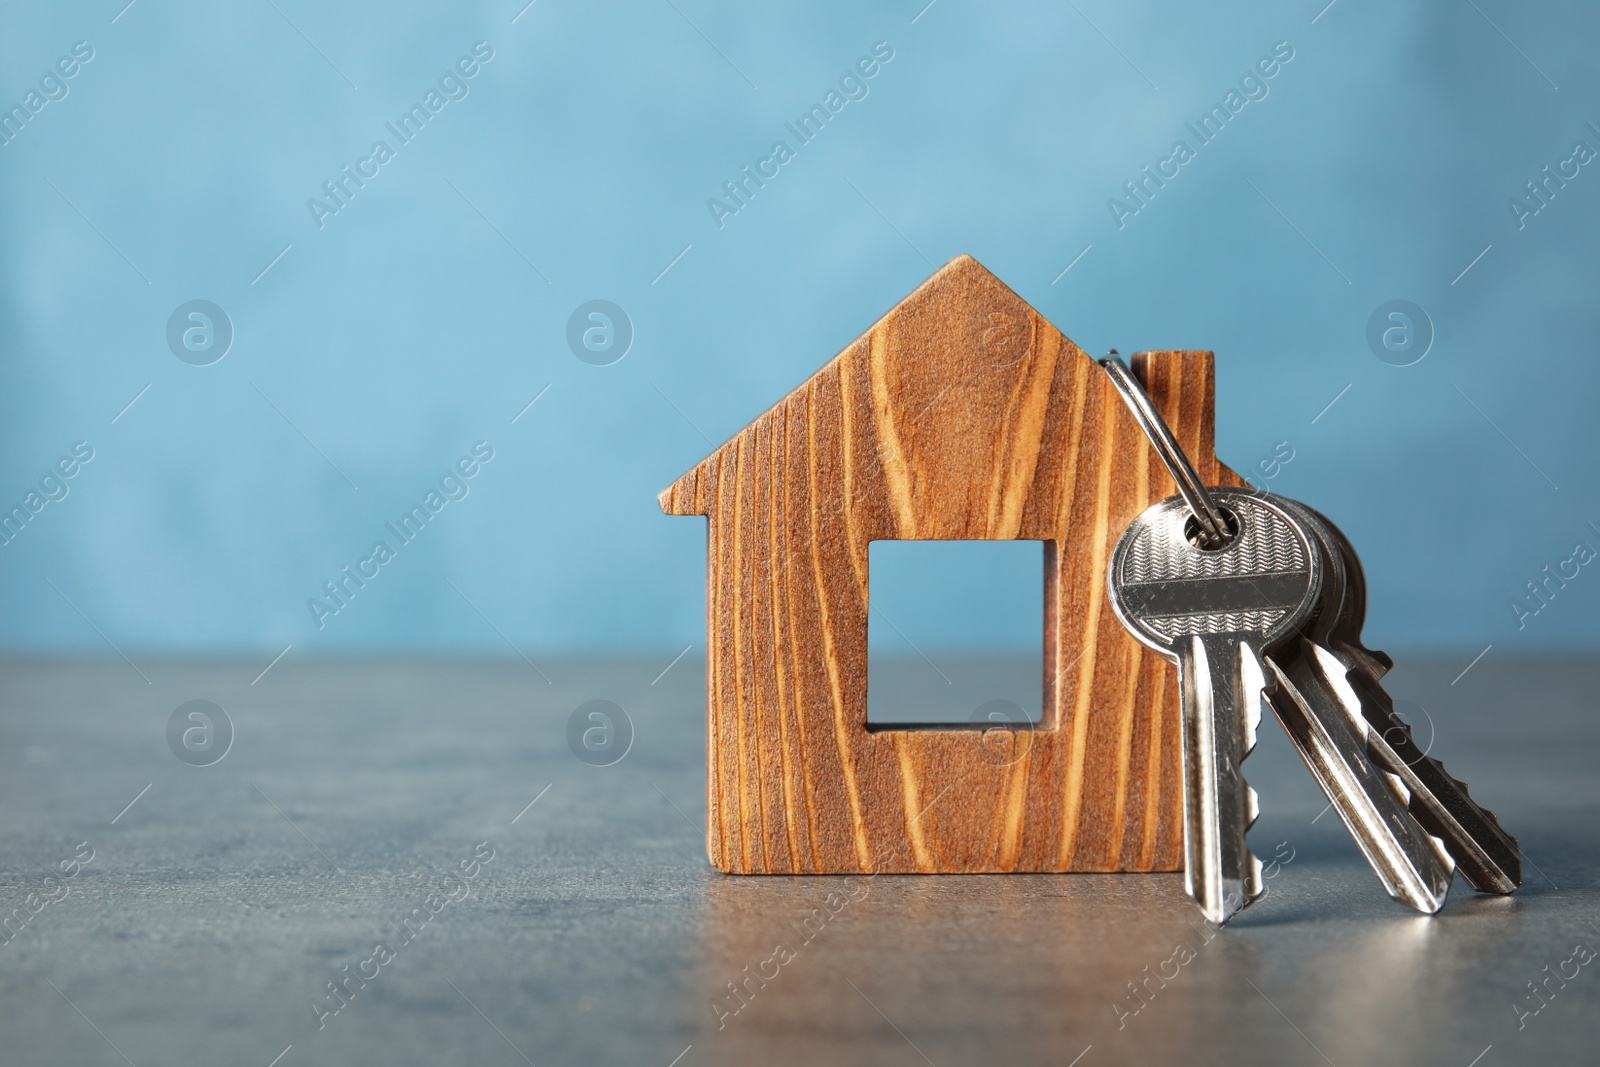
column 536, row 909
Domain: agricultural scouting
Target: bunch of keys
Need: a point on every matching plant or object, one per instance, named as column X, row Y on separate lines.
column 1259, row 599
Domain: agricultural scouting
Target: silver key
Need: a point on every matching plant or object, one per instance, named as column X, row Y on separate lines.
column 1412, row 864
column 1485, row 855
column 1217, row 613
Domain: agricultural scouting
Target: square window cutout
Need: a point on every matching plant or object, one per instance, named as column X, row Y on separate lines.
column 955, row 633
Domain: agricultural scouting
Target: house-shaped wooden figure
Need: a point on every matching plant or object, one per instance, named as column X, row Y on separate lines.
column 962, row 414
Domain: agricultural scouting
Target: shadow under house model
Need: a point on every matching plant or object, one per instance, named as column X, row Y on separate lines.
column 961, row 414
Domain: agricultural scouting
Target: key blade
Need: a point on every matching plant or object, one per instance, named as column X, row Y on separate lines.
column 1412, row 867
column 1220, row 677
column 1488, row 857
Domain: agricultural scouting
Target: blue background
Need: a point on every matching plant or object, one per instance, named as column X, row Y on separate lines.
column 431, row 309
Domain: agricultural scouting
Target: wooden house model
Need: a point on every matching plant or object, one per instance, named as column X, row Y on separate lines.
column 961, row 414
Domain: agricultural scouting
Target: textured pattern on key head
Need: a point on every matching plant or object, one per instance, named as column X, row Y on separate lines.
column 1264, row 546
column 1165, row 588
column 1173, row 627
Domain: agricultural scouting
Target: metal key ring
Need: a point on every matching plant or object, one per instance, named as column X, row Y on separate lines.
column 1213, row 527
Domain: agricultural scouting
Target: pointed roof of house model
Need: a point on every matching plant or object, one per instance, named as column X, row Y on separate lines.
column 953, row 384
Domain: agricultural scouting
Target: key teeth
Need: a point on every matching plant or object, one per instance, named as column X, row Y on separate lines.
column 1427, row 820
column 1384, row 756
column 1254, row 884
column 1466, row 791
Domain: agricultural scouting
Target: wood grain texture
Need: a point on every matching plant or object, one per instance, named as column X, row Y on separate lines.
column 961, row 414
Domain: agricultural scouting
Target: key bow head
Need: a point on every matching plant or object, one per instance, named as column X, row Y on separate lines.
column 1264, row 582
